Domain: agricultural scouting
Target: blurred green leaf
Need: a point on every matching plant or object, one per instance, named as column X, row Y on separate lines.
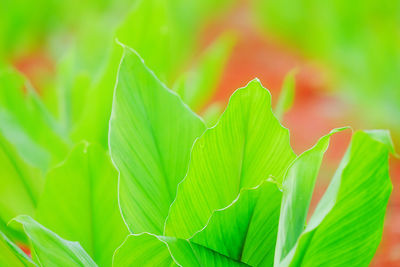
column 247, row 146
column 286, row 97
column 151, row 134
column 198, row 85
column 27, row 124
column 20, row 187
column 79, row 202
column 49, row 249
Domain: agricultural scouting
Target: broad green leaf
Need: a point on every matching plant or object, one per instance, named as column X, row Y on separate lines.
column 80, row 202
column 198, row 85
column 11, row 254
column 150, row 250
column 247, row 146
column 246, row 230
column 286, row 97
column 346, row 227
column 151, row 134
column 49, row 249
column 298, row 186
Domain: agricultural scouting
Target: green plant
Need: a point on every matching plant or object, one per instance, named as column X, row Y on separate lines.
column 233, row 194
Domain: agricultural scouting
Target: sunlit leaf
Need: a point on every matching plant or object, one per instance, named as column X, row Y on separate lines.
column 151, row 134
column 247, row 146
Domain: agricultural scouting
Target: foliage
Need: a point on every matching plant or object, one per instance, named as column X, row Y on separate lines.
column 109, row 167
column 234, row 194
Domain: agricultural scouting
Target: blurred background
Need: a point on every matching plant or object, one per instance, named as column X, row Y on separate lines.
column 59, row 61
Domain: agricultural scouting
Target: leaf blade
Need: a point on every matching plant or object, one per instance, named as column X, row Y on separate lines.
column 151, row 133
column 229, row 157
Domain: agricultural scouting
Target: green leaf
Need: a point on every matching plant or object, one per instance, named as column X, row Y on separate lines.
column 247, row 146
column 11, row 254
column 151, row 134
column 79, row 202
column 49, row 249
column 27, row 124
column 246, row 230
column 298, row 186
column 286, row 97
column 346, row 227
column 198, row 85
column 150, row 250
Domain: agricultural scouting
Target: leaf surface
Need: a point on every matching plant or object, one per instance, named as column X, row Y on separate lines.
column 151, row 134
column 247, row 146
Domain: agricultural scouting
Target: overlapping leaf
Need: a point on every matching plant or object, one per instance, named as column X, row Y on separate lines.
column 298, row 186
column 247, row 146
column 150, row 250
column 346, row 226
column 151, row 134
